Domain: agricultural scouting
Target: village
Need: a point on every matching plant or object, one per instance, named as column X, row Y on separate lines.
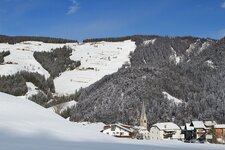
column 196, row 131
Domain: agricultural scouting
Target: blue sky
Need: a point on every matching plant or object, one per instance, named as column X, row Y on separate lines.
column 81, row 19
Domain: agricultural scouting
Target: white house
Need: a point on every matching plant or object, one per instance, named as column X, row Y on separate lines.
column 209, row 126
column 199, row 129
column 165, row 130
column 119, row 130
column 142, row 132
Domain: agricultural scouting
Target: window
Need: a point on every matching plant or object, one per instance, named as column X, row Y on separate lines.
column 113, row 128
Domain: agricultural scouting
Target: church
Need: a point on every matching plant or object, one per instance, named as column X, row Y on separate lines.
column 143, row 118
column 143, row 128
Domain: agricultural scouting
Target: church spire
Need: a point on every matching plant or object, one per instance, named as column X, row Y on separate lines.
column 143, row 119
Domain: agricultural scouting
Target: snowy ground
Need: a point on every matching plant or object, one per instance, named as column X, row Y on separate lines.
column 25, row 125
column 59, row 108
column 97, row 60
column 21, row 57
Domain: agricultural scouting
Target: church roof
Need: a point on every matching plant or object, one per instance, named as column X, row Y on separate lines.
column 143, row 113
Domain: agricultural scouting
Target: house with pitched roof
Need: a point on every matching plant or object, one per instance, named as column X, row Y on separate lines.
column 219, row 131
column 189, row 132
column 165, row 130
column 199, row 130
column 127, row 131
column 119, row 130
column 141, row 132
column 209, row 130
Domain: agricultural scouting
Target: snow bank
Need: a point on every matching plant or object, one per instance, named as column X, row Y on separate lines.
column 25, row 125
column 21, row 117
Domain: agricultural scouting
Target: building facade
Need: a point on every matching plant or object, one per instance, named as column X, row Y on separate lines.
column 165, row 130
column 219, row 131
column 199, row 130
column 119, row 130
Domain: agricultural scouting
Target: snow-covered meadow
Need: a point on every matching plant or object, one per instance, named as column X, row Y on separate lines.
column 25, row 125
column 97, row 60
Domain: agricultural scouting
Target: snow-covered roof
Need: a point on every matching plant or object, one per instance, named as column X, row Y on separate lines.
column 188, row 127
column 166, row 126
column 210, row 123
column 122, row 126
column 182, row 127
column 219, row 126
column 140, row 128
column 197, row 124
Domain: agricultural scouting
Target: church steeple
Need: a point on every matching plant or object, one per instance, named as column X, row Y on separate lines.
column 143, row 119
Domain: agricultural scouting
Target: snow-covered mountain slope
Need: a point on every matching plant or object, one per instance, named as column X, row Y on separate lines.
column 97, row 60
column 32, row 90
column 172, row 98
column 21, row 117
column 25, row 125
column 21, row 57
column 59, row 108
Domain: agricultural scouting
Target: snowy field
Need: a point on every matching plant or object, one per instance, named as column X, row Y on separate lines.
column 59, row 108
column 97, row 60
column 21, row 57
column 25, row 125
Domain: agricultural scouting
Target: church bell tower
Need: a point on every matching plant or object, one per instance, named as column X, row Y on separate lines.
column 143, row 119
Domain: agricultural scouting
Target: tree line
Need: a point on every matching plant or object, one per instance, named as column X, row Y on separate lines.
column 18, row 39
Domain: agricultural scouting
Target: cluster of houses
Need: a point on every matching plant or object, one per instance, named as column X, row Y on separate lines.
column 195, row 131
